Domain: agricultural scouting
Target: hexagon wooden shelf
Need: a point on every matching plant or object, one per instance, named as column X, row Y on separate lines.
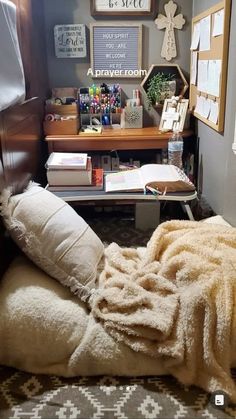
column 173, row 69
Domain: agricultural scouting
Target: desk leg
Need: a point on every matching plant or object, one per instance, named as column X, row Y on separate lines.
column 50, row 147
column 147, row 215
column 187, row 209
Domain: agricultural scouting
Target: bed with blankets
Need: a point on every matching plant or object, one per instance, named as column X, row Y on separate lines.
column 69, row 306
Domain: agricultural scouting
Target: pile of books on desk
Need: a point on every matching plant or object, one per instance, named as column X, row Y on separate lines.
column 72, row 171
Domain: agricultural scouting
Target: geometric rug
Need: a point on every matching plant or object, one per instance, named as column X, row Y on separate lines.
column 26, row 396
column 30, row 396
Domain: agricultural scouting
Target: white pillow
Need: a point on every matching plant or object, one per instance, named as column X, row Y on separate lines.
column 54, row 237
column 217, row 219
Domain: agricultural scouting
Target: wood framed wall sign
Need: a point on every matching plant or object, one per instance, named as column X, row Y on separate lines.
column 70, row 41
column 116, row 50
column 122, row 7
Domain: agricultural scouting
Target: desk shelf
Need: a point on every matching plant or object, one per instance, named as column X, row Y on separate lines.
column 123, row 140
column 113, row 139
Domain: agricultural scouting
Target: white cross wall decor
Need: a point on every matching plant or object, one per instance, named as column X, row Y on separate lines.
column 170, row 22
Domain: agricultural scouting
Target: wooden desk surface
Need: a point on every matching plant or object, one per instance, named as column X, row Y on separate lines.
column 113, row 138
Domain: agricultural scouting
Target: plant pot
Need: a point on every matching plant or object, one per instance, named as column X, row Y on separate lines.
column 170, row 91
column 166, row 95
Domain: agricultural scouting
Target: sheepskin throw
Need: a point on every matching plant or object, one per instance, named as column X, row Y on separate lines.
column 176, row 302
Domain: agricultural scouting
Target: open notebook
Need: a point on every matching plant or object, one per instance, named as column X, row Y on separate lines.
column 162, row 177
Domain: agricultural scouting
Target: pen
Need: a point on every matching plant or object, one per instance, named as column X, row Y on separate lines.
column 153, row 191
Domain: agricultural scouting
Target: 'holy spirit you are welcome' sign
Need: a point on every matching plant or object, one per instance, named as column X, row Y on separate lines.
column 70, row 41
column 116, row 48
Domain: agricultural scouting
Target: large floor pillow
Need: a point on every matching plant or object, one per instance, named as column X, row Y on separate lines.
column 54, row 237
column 217, row 219
column 45, row 329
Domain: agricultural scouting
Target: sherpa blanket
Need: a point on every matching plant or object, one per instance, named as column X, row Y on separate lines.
column 176, row 302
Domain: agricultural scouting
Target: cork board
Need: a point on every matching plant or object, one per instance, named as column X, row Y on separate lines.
column 219, row 46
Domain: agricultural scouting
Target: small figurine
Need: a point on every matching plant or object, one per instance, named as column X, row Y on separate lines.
column 174, row 101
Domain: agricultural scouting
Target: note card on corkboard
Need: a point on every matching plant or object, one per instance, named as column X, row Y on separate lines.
column 116, row 50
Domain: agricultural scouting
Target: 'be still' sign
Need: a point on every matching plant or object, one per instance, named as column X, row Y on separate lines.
column 70, row 41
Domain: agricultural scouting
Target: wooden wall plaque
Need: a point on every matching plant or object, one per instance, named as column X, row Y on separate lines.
column 122, row 7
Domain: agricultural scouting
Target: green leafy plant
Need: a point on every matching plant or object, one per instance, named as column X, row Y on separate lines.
column 158, row 88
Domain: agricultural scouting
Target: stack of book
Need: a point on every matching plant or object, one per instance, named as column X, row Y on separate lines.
column 72, row 171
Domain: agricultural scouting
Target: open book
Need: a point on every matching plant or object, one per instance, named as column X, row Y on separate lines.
column 162, row 177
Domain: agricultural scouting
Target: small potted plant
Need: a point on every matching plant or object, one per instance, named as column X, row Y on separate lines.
column 160, row 87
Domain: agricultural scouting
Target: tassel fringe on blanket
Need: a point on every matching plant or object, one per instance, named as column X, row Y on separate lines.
column 176, row 302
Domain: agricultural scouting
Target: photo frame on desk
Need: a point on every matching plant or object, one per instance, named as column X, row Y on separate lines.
column 122, row 8
column 116, row 50
column 173, row 118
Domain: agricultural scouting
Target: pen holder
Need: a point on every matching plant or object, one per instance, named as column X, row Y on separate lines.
column 63, row 110
column 61, row 120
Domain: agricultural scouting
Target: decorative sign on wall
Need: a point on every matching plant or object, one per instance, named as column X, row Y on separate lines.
column 170, row 22
column 116, row 50
column 122, row 7
column 70, row 41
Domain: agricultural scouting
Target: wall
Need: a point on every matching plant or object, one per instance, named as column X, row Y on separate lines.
column 67, row 72
column 219, row 162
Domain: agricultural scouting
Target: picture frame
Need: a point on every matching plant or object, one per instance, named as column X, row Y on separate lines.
column 116, row 48
column 70, row 41
column 173, row 118
column 122, row 8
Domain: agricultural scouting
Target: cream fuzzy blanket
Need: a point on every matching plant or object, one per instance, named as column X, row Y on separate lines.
column 175, row 302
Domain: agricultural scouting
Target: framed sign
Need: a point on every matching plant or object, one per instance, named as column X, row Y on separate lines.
column 70, row 41
column 116, row 50
column 174, row 114
column 122, row 7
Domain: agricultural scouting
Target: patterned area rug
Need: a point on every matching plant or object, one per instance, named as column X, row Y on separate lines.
column 27, row 396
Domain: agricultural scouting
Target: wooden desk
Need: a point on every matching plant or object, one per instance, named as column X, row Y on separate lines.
column 112, row 139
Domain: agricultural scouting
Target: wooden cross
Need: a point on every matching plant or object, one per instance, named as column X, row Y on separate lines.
column 170, row 22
